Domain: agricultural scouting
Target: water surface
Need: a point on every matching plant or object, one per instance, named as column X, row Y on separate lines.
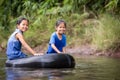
column 87, row 68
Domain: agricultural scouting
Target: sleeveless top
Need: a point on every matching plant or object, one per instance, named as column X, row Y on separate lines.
column 14, row 47
column 57, row 42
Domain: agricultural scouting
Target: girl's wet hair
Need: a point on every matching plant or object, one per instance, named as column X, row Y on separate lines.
column 59, row 22
column 20, row 20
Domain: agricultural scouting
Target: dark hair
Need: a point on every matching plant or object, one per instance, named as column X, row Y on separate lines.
column 59, row 22
column 20, row 20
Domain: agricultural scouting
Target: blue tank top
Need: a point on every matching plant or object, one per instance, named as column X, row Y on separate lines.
column 14, row 47
column 58, row 43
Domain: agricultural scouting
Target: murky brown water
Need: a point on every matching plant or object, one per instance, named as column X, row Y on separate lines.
column 87, row 68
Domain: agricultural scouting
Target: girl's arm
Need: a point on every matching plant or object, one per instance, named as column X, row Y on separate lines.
column 55, row 48
column 21, row 39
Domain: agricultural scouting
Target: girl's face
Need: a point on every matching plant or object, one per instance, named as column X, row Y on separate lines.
column 61, row 28
column 23, row 26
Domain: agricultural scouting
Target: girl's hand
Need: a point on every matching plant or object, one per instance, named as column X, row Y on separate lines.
column 60, row 52
column 38, row 54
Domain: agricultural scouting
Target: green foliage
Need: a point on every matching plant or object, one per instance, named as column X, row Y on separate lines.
column 112, row 5
column 107, row 33
column 33, row 8
column 77, row 13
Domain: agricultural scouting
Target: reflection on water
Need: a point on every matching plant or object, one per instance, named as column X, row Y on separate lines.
column 35, row 74
column 87, row 68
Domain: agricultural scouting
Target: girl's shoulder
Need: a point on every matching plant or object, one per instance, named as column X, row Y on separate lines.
column 18, row 31
column 54, row 34
column 14, row 33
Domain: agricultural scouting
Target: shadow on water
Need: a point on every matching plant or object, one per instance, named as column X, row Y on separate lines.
column 35, row 74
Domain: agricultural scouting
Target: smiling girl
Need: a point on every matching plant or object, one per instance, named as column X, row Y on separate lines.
column 57, row 41
column 16, row 41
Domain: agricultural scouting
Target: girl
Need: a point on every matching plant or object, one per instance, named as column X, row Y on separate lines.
column 16, row 40
column 57, row 41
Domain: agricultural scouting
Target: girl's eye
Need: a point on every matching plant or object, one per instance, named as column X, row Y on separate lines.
column 25, row 25
column 62, row 27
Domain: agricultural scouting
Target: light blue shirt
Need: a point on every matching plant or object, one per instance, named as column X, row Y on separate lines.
column 14, row 47
column 57, row 42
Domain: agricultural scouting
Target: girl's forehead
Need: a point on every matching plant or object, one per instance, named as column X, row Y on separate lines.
column 62, row 24
column 24, row 21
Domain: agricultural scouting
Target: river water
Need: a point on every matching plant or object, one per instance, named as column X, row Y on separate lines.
column 87, row 68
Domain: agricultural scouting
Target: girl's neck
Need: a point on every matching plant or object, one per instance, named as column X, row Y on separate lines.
column 59, row 36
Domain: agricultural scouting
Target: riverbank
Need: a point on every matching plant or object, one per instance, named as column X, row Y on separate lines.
column 91, row 50
column 79, row 50
column 82, row 33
